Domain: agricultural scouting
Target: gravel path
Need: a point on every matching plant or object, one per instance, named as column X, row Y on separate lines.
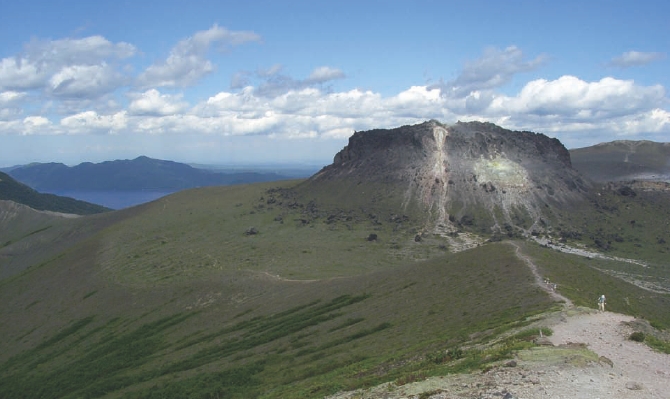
column 625, row 369
column 636, row 372
column 538, row 278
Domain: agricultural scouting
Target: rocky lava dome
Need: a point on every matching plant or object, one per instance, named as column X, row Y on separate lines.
column 468, row 174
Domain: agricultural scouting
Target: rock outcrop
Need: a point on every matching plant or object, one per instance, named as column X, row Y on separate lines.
column 468, row 174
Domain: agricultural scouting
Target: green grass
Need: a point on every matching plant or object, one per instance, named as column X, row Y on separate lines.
column 12, row 190
column 173, row 299
column 293, row 248
column 583, row 280
column 324, row 336
column 625, row 226
column 657, row 344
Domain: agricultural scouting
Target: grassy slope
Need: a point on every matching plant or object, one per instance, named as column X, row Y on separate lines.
column 12, row 190
column 173, row 299
column 628, row 226
column 295, row 336
column 28, row 236
column 583, row 280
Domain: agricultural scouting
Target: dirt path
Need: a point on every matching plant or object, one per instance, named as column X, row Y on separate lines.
column 538, row 278
column 621, row 368
column 636, row 372
column 625, row 369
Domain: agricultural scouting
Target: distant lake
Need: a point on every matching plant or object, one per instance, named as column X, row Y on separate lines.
column 115, row 199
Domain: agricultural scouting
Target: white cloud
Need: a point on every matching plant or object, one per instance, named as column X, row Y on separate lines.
column 187, row 62
column 152, row 102
column 566, row 107
column 653, row 121
column 66, row 67
column 84, row 74
column 35, row 124
column 635, row 58
column 560, row 106
column 324, row 74
column 9, row 104
column 20, row 74
column 91, row 122
column 88, row 50
column 493, row 69
column 84, row 81
column 274, row 83
column 572, row 98
column 7, row 97
column 416, row 102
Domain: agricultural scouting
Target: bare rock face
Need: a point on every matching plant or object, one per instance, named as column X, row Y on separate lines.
column 473, row 174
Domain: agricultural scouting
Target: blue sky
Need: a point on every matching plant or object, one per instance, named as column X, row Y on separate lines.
column 289, row 81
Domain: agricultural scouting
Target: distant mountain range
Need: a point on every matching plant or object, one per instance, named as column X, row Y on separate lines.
column 11, row 190
column 141, row 173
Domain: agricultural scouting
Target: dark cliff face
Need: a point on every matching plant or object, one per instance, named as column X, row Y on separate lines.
column 468, row 172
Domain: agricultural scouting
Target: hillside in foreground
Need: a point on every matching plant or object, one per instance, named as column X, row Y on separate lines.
column 11, row 190
column 275, row 290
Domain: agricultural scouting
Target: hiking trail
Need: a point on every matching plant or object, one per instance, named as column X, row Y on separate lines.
column 625, row 369
column 538, row 278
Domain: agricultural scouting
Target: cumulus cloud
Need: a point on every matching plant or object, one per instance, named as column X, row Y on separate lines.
column 88, row 50
column 17, row 73
column 493, row 69
column 635, row 58
column 571, row 97
column 71, row 75
column 572, row 109
column 35, row 124
column 84, row 81
column 187, row 62
column 566, row 107
column 274, row 83
column 8, row 97
column 324, row 74
column 152, row 102
column 66, row 67
column 566, row 104
column 92, row 122
column 9, row 104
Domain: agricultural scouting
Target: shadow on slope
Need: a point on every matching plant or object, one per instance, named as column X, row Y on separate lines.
column 244, row 334
column 178, row 298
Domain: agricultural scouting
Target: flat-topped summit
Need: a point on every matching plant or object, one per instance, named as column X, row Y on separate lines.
column 473, row 174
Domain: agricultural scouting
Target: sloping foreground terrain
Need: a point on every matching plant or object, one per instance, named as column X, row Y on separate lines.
column 11, row 190
column 177, row 296
column 589, row 355
column 376, row 270
column 239, row 292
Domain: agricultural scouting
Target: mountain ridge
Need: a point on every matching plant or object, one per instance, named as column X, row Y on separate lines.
column 469, row 173
column 12, row 190
column 141, row 173
column 624, row 160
